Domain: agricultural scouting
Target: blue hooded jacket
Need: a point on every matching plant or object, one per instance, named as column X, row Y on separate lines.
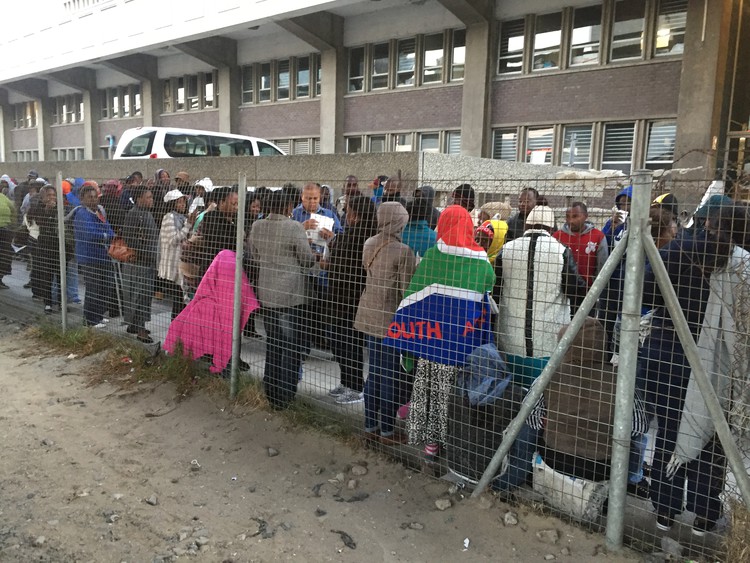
column 614, row 236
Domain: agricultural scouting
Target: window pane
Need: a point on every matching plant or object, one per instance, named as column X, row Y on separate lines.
column 586, row 35
column 353, row 144
column 167, row 99
column 429, row 142
column 453, row 144
column 79, row 154
column 660, row 149
column 114, row 95
column 618, row 147
column 125, row 102
column 264, row 92
column 283, row 144
column 303, row 77
column 180, row 94
column 137, row 99
column 316, row 146
column 504, row 144
column 627, row 30
column 357, row 69
column 192, row 92
column 377, row 143
column 433, row 58
column 248, row 86
column 459, row 54
column 380, row 55
column 282, row 80
column 670, row 27
column 179, row 145
column 404, row 142
column 208, row 90
column 548, row 32
column 539, row 145
column 577, row 146
column 301, row 146
column 511, row 47
column 318, row 76
column 406, row 62
column 103, row 104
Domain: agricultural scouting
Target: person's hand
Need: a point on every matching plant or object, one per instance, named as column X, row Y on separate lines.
column 192, row 217
column 310, row 224
column 618, row 218
column 674, row 465
column 211, row 206
column 325, row 234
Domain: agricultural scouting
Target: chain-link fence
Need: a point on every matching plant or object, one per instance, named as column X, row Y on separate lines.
column 496, row 333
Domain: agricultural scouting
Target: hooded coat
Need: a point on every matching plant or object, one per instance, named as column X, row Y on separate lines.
column 615, row 235
column 589, row 247
column 390, row 265
column 428, row 192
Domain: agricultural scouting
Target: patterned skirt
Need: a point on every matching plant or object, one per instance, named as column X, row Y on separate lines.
column 428, row 415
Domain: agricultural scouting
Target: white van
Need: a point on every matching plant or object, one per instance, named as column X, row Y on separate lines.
column 172, row 142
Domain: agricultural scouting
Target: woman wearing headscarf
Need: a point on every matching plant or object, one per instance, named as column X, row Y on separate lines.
column 204, row 327
column 346, row 281
column 490, row 235
column 443, row 317
column 389, row 264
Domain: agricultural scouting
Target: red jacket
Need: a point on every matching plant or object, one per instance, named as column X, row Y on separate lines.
column 589, row 248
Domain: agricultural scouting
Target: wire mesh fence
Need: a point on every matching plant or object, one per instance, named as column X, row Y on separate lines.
column 426, row 314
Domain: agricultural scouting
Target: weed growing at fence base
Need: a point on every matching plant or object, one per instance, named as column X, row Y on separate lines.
column 82, row 341
column 738, row 540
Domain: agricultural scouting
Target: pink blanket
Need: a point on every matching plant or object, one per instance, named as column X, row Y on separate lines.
column 205, row 325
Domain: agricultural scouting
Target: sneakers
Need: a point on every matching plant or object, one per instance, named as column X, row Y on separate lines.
column 48, row 309
column 98, row 325
column 640, row 489
column 664, row 522
column 701, row 526
column 338, row 390
column 349, row 396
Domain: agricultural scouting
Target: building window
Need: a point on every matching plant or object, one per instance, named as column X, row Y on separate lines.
column 627, row 29
column 576, row 151
column 504, row 144
column 357, row 69
column 547, row 36
column 264, row 91
column 248, row 85
column 404, row 142
column 458, row 59
column 511, row 46
column 193, row 101
column 429, row 142
column 432, row 58
column 303, row 77
column 168, row 98
column 377, row 143
column 617, row 150
column 586, row 36
column 180, row 106
column 24, row 115
column 453, row 142
column 353, row 144
column 282, row 80
column 539, row 142
column 284, row 145
column 379, row 60
column 123, row 101
column 316, row 146
column 660, row 147
column 301, row 146
column 67, row 109
column 406, row 62
column 318, row 75
column 209, row 90
column 671, row 19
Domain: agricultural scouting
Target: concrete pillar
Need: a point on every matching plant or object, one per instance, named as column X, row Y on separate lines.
column 325, row 32
column 705, row 95
column 144, row 69
column 84, row 80
column 478, row 16
column 43, row 123
column 221, row 54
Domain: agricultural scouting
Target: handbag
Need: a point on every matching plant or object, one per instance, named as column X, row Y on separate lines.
column 120, row 251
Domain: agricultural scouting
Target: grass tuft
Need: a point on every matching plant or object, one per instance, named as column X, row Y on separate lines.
column 82, row 341
column 737, row 541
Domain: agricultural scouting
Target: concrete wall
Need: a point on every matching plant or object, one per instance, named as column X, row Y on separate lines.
column 66, row 136
column 404, row 110
column 24, row 139
column 205, row 119
column 610, row 93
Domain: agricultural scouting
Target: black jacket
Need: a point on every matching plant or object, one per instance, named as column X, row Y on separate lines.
column 346, row 274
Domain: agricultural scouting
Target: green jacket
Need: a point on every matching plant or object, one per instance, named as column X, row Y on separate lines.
column 7, row 212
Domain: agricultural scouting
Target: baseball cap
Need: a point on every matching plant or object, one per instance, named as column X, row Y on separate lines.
column 172, row 195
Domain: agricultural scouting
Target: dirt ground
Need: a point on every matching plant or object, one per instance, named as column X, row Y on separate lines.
column 101, row 474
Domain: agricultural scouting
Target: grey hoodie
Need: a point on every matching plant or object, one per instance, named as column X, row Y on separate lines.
column 428, row 193
column 390, row 265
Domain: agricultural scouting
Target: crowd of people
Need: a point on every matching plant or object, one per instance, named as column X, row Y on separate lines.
column 457, row 310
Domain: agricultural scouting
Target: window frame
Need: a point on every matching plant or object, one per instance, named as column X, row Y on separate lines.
column 547, row 51
column 599, row 43
column 603, row 147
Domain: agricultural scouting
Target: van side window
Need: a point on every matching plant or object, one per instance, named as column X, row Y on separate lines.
column 225, row 146
column 179, row 145
column 140, row 146
column 264, row 149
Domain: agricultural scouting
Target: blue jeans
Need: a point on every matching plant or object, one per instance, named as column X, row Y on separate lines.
column 98, row 279
column 71, row 276
column 520, row 459
column 284, row 353
column 383, row 386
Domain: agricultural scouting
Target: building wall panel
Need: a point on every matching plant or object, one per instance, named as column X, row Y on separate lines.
column 277, row 121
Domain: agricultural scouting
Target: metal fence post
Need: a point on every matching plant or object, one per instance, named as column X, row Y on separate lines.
column 690, row 347
column 628, row 361
column 62, row 272
column 553, row 363
column 238, row 273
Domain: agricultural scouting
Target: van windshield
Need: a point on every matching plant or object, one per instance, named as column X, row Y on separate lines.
column 140, row 146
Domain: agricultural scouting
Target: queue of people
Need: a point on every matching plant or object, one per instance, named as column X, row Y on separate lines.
column 420, row 292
